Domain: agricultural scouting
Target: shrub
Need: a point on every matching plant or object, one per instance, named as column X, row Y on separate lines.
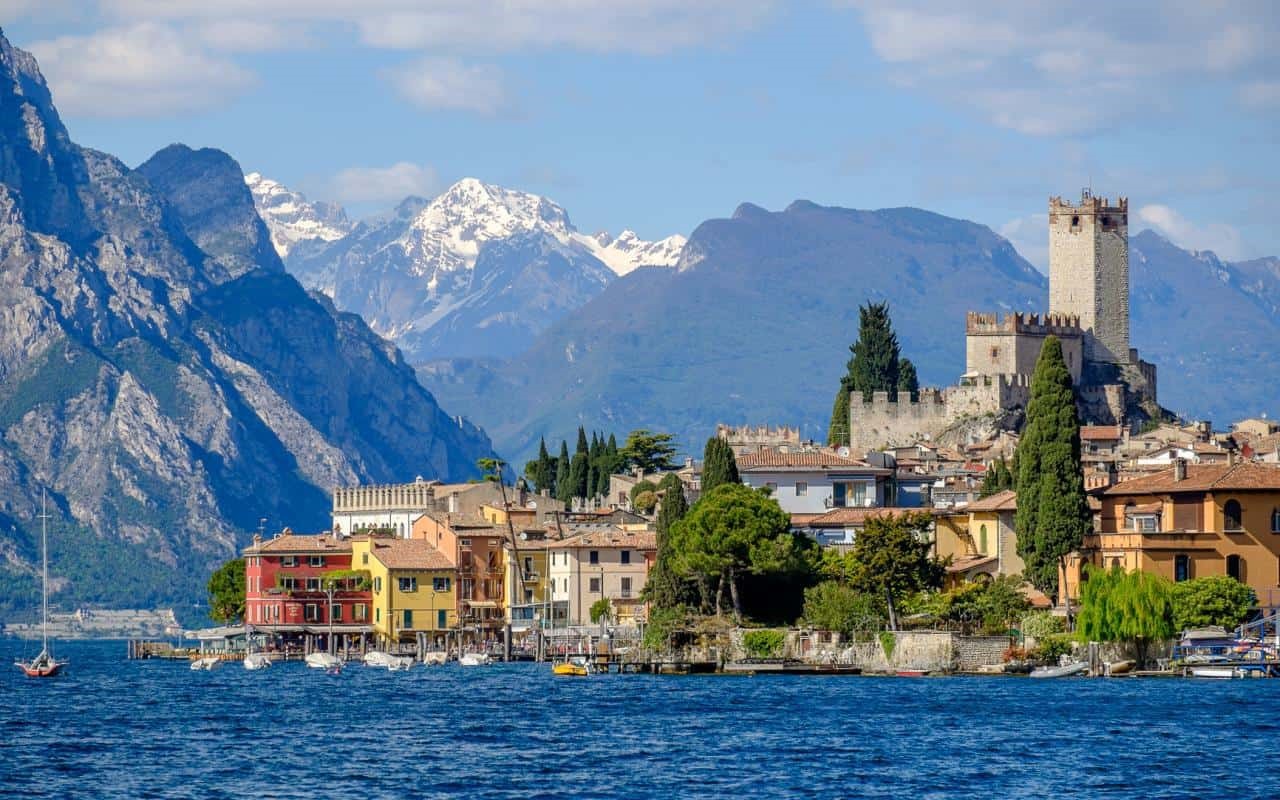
column 1051, row 647
column 765, row 643
column 663, row 625
column 1015, row 654
column 601, row 609
column 1211, row 600
column 887, row 642
column 1039, row 624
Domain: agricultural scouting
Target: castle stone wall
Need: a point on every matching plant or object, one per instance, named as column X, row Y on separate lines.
column 893, row 420
column 1011, row 346
column 1089, row 272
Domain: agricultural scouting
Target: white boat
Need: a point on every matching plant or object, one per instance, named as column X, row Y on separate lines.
column 1212, row 671
column 257, row 661
column 434, row 658
column 398, row 663
column 323, row 661
column 475, row 660
column 377, row 658
column 1062, row 671
column 206, row 663
column 43, row 665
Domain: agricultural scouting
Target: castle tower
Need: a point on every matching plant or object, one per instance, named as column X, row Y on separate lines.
column 1089, row 272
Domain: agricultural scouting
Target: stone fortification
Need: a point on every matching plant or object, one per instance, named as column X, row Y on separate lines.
column 1011, row 345
column 896, row 420
column 1089, row 271
column 745, row 439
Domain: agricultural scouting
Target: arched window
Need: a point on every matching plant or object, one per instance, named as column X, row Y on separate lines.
column 1232, row 516
column 1235, row 568
column 1181, row 567
column 982, row 539
column 1275, row 520
column 1115, row 561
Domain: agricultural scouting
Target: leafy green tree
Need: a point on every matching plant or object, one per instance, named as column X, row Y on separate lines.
column 734, row 530
column 651, row 452
column 642, row 487
column 832, row 606
column 891, row 557
column 997, row 478
column 226, row 592
column 645, row 502
column 541, row 472
column 718, row 464
column 908, row 382
column 1119, row 606
column 601, row 609
column 1211, row 600
column 1053, row 514
column 838, row 430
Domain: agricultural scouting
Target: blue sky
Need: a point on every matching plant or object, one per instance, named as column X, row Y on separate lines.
column 658, row 114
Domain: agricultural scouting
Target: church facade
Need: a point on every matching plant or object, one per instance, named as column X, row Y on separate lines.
column 1088, row 313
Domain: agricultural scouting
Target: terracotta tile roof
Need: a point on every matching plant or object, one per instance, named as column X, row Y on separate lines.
column 471, row 524
column 838, row 517
column 1006, row 500
column 1099, row 432
column 813, row 458
column 966, row 563
column 294, row 543
column 408, row 554
column 1204, row 478
column 606, row 536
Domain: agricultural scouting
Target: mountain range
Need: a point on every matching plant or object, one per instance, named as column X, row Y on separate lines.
column 477, row 271
column 163, row 375
column 754, row 326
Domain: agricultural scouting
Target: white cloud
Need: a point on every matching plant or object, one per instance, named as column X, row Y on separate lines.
column 1222, row 239
column 1029, row 235
column 382, row 185
column 234, row 35
column 445, row 83
column 640, row 26
column 144, row 69
column 1049, row 69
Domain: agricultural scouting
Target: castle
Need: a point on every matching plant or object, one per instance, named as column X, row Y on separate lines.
column 1088, row 313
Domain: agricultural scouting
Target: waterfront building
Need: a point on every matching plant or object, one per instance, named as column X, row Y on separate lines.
column 475, row 547
column 815, row 481
column 412, row 590
column 595, row 562
column 980, row 539
column 286, row 581
column 1188, row 521
column 839, row 527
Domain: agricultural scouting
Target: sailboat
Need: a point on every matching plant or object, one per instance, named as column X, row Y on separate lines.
column 43, row 665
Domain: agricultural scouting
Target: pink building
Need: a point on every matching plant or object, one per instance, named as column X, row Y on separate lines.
column 284, row 586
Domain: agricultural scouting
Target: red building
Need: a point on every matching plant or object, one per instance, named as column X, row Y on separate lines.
column 285, row 586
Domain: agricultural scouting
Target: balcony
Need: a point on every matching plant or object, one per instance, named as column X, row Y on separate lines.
column 1151, row 540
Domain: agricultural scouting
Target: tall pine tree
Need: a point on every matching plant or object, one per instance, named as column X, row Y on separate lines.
column 874, row 366
column 718, row 465
column 664, row 588
column 1053, row 513
column 564, row 489
column 908, row 383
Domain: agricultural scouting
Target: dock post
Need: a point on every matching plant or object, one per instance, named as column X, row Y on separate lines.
column 506, row 642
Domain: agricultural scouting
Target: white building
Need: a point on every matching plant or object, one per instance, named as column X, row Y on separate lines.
column 596, row 562
column 815, row 481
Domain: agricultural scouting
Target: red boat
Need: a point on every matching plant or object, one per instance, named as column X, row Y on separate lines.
column 912, row 673
column 43, row 665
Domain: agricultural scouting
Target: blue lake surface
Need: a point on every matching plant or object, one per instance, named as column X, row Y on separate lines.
column 114, row 728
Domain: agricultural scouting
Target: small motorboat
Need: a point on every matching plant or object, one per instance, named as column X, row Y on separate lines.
column 1120, row 667
column 574, row 666
column 434, row 658
column 323, row 661
column 399, row 663
column 377, row 658
column 1212, row 671
column 257, row 661
column 206, row 663
column 475, row 660
column 912, row 673
column 1061, row 671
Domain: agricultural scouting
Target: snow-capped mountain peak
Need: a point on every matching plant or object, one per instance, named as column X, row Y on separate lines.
column 291, row 219
column 629, row 251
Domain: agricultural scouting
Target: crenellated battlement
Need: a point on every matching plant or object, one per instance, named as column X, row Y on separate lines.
column 1089, row 205
column 978, row 323
column 783, row 433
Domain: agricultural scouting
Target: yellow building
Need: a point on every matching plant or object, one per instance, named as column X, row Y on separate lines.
column 413, row 589
column 980, row 539
column 1189, row 521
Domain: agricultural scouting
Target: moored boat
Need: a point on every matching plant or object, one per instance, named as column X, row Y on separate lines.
column 1061, row 671
column 1212, row 671
column 323, row 661
column 575, row 666
column 475, row 660
column 255, row 661
column 206, row 663
column 44, row 665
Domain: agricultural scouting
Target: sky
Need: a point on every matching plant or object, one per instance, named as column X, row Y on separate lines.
column 655, row 115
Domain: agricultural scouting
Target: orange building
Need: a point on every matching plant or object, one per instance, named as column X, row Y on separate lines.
column 476, row 547
column 1189, row 521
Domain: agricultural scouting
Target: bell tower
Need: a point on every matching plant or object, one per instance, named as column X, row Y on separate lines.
column 1089, row 272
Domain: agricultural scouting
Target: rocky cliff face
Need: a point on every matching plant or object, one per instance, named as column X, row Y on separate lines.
column 163, row 376
column 478, row 271
column 296, row 224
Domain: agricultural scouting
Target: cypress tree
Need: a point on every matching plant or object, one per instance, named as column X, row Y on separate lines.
column 718, row 465
column 663, row 588
column 874, row 366
column 1053, row 513
column 582, row 442
column 838, row 431
column 544, row 469
column 564, row 490
column 579, row 471
column 907, row 380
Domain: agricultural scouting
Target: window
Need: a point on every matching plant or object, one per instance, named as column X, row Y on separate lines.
column 364, row 558
column 1232, row 516
column 464, row 542
column 839, row 492
column 595, row 557
column 1181, row 568
column 442, row 618
column 316, row 561
column 408, row 619
column 982, row 539
column 995, row 353
column 626, row 587
column 772, row 487
column 594, row 585
column 802, row 488
column 859, row 495
column 311, row 612
column 359, row 612
column 528, row 564
column 440, row 584
column 408, row 584
column 377, row 615
column 626, row 556
column 313, row 584
column 289, row 561
column 335, row 612
column 1145, row 523
column 377, row 585
column 1275, row 520
column 1235, row 568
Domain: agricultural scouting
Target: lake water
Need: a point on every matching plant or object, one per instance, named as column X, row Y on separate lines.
column 113, row 728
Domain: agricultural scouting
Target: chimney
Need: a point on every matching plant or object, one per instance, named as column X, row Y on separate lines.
column 1179, row 469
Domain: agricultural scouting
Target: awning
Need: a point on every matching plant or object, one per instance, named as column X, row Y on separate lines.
column 481, row 603
column 339, row 628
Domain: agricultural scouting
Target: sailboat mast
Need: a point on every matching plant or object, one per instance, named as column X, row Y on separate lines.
column 44, row 570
